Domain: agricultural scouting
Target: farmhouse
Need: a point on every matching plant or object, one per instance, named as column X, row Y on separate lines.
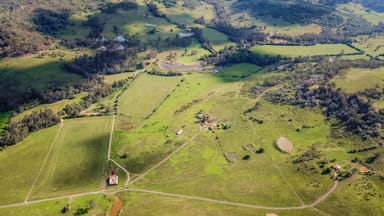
column 184, row 35
column 121, row 47
column 150, row 25
column 114, row 178
column 120, row 39
column 101, row 39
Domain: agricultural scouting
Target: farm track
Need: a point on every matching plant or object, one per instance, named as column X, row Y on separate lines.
column 322, row 198
column 181, row 196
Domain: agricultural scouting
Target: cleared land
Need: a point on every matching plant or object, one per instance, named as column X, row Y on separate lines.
column 78, row 159
column 117, row 77
column 20, row 163
column 4, row 118
column 239, row 71
column 19, row 75
column 145, row 94
column 372, row 45
column 193, row 170
column 296, row 51
column 370, row 15
column 355, row 80
column 96, row 205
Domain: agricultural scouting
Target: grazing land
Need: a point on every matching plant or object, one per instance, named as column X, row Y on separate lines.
column 24, row 160
column 356, row 80
column 65, row 175
column 187, row 102
column 145, row 94
column 296, row 51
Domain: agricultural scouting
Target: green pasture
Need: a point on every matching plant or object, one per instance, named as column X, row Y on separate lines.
column 21, row 163
column 218, row 39
column 110, row 79
column 20, row 75
column 96, row 205
column 296, row 51
column 149, row 204
column 358, row 79
column 153, row 138
column 238, row 71
column 77, row 160
column 145, row 94
column 358, row 9
column 4, row 119
column 193, row 170
column 373, row 45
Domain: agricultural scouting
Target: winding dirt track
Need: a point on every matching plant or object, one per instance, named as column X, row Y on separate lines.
column 223, row 202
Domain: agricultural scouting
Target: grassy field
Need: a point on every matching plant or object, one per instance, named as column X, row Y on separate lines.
column 193, row 170
column 20, row 75
column 4, row 118
column 218, row 39
column 372, row 45
column 239, row 71
column 355, row 80
column 96, row 205
column 85, row 139
column 154, row 137
column 296, row 51
column 145, row 94
column 117, row 77
column 147, row 204
column 21, row 163
column 185, row 56
column 187, row 16
column 358, row 9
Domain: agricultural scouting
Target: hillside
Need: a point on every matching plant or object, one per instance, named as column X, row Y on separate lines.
column 191, row 107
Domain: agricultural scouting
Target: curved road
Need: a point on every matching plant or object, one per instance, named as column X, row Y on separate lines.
column 223, row 202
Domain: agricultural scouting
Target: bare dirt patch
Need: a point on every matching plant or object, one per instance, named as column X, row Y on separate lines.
column 175, row 67
column 116, row 207
column 284, row 145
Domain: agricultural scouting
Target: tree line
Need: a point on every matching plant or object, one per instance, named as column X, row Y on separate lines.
column 17, row 131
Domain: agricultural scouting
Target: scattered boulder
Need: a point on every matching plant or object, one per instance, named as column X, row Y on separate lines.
column 248, row 147
column 230, row 156
column 284, row 145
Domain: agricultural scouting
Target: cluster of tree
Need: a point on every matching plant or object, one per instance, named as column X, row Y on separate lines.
column 106, row 62
column 352, row 113
column 16, row 40
column 232, row 55
column 98, row 91
column 17, row 131
column 182, row 41
column 154, row 10
column 110, row 7
column 96, row 25
column 50, row 22
column 25, row 25
column 168, row 3
column 168, row 74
